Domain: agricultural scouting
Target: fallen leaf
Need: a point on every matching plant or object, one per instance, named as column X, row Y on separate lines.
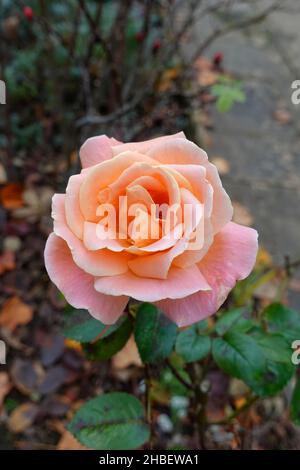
column 241, row 214
column 221, row 164
column 15, row 312
column 3, row 176
column 7, row 262
column 207, row 78
column 167, row 79
column 5, row 386
column 203, row 63
column 11, row 196
column 128, row 356
column 282, row 116
column 22, row 417
column 68, row 442
column 27, row 376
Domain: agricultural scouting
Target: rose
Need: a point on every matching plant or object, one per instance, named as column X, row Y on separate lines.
column 188, row 280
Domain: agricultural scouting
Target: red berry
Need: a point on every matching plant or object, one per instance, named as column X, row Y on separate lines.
column 140, row 36
column 218, row 58
column 156, row 45
column 28, row 13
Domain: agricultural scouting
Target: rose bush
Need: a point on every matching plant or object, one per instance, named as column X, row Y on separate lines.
column 188, row 282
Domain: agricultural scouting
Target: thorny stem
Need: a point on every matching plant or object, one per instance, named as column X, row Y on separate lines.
column 197, row 374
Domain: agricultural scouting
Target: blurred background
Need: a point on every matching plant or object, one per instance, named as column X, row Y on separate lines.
column 221, row 71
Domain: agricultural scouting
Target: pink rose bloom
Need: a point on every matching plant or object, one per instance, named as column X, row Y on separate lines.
column 187, row 279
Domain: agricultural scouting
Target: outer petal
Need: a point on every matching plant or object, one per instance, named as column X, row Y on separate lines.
column 230, row 259
column 97, row 263
column 143, row 147
column 74, row 216
column 96, row 150
column 78, row 286
column 180, row 283
column 177, row 151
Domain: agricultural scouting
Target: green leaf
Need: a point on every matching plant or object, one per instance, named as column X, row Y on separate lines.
column 80, row 326
column 155, row 334
column 228, row 92
column 295, row 404
column 279, row 368
column 113, row 421
column 112, row 341
column 283, row 320
column 240, row 356
column 192, row 345
column 233, row 319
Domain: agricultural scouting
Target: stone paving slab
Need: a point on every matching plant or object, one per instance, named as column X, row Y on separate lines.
column 263, row 154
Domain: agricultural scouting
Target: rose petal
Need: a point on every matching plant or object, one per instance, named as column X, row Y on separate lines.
column 177, row 151
column 157, row 266
column 143, row 147
column 96, row 149
column 230, row 258
column 180, row 283
column 74, row 216
column 96, row 263
column 102, row 175
column 77, row 286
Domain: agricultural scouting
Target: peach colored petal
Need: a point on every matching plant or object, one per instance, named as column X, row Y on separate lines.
column 78, row 286
column 139, row 169
column 138, row 194
column 222, row 208
column 74, row 216
column 193, row 256
column 166, row 241
column 177, row 151
column 102, row 175
column 202, row 189
column 157, row 266
column 180, row 283
column 96, row 238
column 143, row 147
column 96, row 263
column 230, row 258
column 96, row 149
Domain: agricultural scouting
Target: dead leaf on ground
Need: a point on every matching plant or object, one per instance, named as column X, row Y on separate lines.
column 22, row 417
column 15, row 312
column 128, row 356
column 3, row 175
column 5, row 386
column 207, row 78
column 241, row 214
column 282, row 116
column 167, row 79
column 37, row 203
column 221, row 164
column 68, row 442
column 27, row 376
column 7, row 262
column 11, row 196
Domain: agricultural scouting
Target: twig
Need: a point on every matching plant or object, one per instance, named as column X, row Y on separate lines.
column 148, row 403
column 235, row 413
column 178, row 376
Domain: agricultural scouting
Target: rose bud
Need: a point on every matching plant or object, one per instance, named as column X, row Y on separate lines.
column 156, row 46
column 140, row 36
column 218, row 58
column 28, row 13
